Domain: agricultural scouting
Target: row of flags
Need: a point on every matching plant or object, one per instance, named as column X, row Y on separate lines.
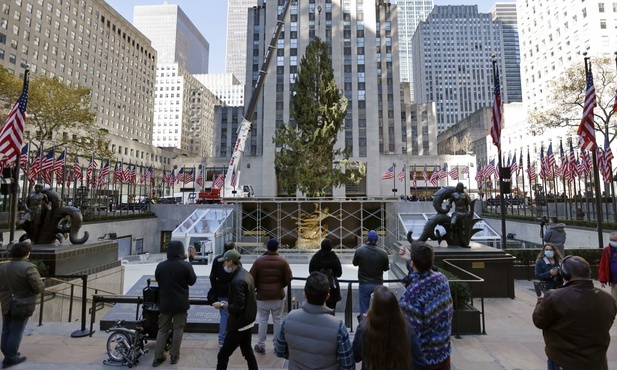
column 437, row 174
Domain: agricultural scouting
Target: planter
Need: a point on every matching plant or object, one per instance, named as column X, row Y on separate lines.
column 467, row 320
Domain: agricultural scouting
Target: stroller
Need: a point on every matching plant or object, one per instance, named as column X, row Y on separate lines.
column 126, row 343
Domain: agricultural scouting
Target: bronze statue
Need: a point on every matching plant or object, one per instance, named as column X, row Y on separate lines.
column 47, row 221
column 459, row 226
column 313, row 228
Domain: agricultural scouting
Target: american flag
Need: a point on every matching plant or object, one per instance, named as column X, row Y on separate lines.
column 171, row 180
column 607, row 157
column 531, row 169
column 12, row 133
column 387, row 174
column 200, row 178
column 520, row 162
column 59, row 167
column 435, row 176
column 133, row 174
column 415, row 183
column 150, row 175
column 126, row 174
column 489, row 170
column 142, row 175
column 180, row 176
column 401, row 175
column 586, row 130
column 514, row 165
column 497, row 118
column 48, row 161
column 465, row 170
column 615, row 103
column 118, row 173
column 164, row 178
column 550, row 157
column 573, row 168
column 77, row 169
column 189, row 176
column 218, row 182
column 90, row 172
column 479, row 174
column 443, row 172
column 233, row 178
column 585, row 165
column 25, row 152
column 114, row 178
column 103, row 173
column 425, row 175
column 454, row 173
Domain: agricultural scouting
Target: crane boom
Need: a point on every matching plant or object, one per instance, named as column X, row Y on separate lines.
column 233, row 174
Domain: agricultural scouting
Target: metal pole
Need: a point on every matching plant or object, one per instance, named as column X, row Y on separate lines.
column 502, row 203
column 83, row 332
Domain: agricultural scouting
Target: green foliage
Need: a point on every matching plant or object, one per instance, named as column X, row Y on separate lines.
column 460, row 291
column 41, row 267
column 58, row 115
column 308, row 160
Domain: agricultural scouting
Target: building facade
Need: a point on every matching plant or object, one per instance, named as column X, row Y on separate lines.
column 452, row 52
column 237, row 19
column 174, row 36
column 225, row 86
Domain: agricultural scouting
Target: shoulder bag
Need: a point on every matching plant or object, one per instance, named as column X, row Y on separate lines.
column 21, row 306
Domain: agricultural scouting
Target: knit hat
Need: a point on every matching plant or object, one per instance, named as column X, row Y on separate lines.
column 326, row 244
column 273, row 245
column 231, row 255
column 372, row 236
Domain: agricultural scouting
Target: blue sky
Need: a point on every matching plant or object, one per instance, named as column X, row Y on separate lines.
column 210, row 17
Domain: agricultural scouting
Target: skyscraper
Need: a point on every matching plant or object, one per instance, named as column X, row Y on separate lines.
column 452, row 53
column 174, row 36
column 410, row 13
column 237, row 14
column 363, row 39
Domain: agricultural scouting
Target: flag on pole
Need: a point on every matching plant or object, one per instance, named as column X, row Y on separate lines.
column 435, row 176
column 401, row 175
column 585, row 165
column 531, row 169
column 25, row 152
column 443, row 172
column 200, row 178
column 233, row 178
column 142, row 175
column 48, row 161
column 514, row 165
column 164, row 177
column 103, row 173
column 150, row 174
column 171, row 180
column 387, row 174
column 497, row 118
column 114, row 178
column 89, row 172
column 454, row 173
column 180, row 176
column 133, row 174
column 126, row 174
column 118, row 173
column 12, row 133
column 479, row 174
column 586, row 130
column 425, row 175
column 465, row 170
column 219, row 181
column 189, row 176
column 59, row 167
column 606, row 168
column 573, row 168
column 77, row 169
column 415, row 184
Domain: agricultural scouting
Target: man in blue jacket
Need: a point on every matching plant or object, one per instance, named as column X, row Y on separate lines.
column 174, row 277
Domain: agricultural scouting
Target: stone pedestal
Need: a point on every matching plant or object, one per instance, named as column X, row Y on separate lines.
column 73, row 259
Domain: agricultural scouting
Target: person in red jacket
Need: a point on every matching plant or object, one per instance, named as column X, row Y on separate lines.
column 272, row 274
column 607, row 271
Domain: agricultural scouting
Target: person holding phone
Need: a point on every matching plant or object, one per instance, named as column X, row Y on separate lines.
column 547, row 266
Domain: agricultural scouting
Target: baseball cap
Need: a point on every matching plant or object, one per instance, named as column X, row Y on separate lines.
column 231, row 255
column 372, row 236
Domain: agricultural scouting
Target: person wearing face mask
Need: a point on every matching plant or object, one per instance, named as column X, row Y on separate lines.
column 219, row 280
column 607, row 270
column 547, row 266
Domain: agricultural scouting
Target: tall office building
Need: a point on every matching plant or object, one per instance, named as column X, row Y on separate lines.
column 87, row 43
column 510, row 50
column 452, row 53
column 410, row 13
column 553, row 37
column 174, row 36
column 237, row 18
column 363, row 40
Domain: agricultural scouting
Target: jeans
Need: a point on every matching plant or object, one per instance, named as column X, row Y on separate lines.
column 550, row 365
column 223, row 321
column 12, row 333
column 365, row 291
column 166, row 321
column 233, row 339
column 265, row 308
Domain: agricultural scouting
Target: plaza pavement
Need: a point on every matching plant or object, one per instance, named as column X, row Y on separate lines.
column 511, row 343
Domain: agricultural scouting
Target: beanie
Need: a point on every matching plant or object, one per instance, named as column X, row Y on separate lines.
column 326, row 244
column 273, row 244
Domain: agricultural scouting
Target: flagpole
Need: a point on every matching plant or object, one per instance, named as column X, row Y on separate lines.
column 502, row 203
column 405, row 167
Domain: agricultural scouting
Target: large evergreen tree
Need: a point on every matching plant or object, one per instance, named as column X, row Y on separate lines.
column 308, row 160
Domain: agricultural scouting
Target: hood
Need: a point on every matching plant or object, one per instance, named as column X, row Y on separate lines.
column 175, row 250
column 559, row 226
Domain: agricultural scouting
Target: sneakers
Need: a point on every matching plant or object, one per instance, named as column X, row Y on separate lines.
column 259, row 349
column 158, row 361
column 174, row 359
column 18, row 360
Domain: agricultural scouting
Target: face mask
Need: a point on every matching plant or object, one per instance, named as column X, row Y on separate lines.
column 549, row 254
column 612, row 244
column 227, row 269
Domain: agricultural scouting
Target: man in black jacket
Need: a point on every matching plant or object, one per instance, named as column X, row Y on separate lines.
column 242, row 308
column 17, row 277
column 219, row 280
column 174, row 277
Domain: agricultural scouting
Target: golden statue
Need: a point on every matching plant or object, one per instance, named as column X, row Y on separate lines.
column 312, row 227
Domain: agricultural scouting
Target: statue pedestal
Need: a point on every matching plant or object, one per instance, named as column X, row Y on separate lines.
column 82, row 259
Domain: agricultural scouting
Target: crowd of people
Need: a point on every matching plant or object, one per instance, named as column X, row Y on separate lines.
column 409, row 331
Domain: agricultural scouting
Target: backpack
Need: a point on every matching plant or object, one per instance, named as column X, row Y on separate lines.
column 335, row 289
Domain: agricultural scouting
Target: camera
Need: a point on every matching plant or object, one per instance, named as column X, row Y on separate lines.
column 542, row 220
